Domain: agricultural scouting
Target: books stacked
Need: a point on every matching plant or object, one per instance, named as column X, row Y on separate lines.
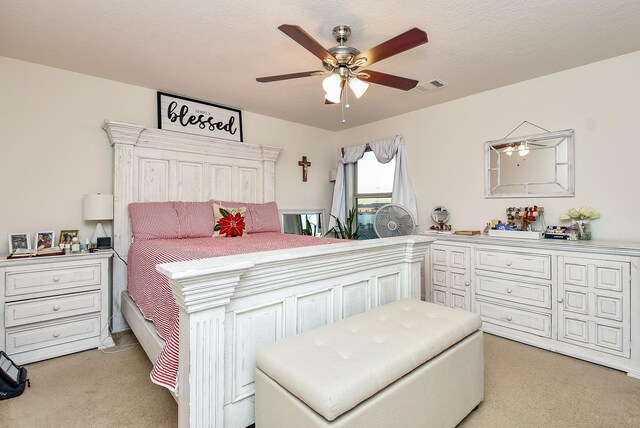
column 467, row 232
column 34, row 252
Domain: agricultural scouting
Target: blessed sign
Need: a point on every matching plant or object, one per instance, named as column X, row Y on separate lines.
column 181, row 114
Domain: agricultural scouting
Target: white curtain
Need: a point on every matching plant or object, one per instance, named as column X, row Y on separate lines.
column 385, row 150
column 347, row 155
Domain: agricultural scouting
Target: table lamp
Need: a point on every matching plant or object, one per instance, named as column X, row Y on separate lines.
column 98, row 207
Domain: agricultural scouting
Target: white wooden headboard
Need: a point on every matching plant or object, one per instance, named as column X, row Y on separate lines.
column 154, row 165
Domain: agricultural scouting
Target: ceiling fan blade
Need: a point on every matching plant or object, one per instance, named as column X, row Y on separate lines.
column 405, row 41
column 387, row 80
column 307, row 42
column 289, row 76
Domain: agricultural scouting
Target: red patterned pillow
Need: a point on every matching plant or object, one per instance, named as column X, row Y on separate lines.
column 153, row 220
column 264, row 218
column 229, row 221
column 195, row 219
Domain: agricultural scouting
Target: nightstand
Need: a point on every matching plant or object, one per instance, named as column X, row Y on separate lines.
column 54, row 305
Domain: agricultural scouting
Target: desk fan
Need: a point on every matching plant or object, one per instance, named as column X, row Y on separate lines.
column 393, row 220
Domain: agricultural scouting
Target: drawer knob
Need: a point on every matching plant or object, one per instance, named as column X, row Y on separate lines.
column 56, row 278
column 560, row 300
column 56, row 308
column 467, row 283
column 509, row 290
column 509, row 318
column 508, row 262
column 56, row 334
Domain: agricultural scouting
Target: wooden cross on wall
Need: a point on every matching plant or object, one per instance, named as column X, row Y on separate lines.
column 305, row 165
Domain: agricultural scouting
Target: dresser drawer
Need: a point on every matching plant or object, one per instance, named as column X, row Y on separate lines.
column 29, row 339
column 50, row 278
column 516, row 319
column 514, row 291
column 51, row 308
column 531, row 265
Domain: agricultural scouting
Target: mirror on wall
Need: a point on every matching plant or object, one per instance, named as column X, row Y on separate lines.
column 303, row 222
column 540, row 165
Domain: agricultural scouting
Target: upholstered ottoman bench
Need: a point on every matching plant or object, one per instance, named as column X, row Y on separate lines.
column 405, row 364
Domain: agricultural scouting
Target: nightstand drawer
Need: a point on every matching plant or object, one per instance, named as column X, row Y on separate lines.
column 51, row 278
column 51, row 308
column 531, row 265
column 28, row 339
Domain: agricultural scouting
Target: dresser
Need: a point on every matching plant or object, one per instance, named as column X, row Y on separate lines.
column 579, row 298
column 54, row 305
column 451, row 275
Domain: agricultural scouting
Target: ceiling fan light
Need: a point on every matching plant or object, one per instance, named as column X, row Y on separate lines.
column 331, row 84
column 358, row 86
column 523, row 149
column 333, row 96
column 508, row 150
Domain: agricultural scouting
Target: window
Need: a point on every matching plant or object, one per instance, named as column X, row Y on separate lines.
column 374, row 184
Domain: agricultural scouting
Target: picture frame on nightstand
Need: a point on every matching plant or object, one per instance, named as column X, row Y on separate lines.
column 19, row 241
column 44, row 240
column 66, row 235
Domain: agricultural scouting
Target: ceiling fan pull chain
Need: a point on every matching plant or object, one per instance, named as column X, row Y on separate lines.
column 346, row 92
column 342, row 106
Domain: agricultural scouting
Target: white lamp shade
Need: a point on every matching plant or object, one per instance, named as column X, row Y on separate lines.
column 358, row 86
column 97, row 207
column 334, row 97
column 332, row 83
column 332, row 87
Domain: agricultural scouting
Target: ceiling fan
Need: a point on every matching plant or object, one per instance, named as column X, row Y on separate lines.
column 344, row 62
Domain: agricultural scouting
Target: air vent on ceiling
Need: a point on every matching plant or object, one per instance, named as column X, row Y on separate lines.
column 430, row 86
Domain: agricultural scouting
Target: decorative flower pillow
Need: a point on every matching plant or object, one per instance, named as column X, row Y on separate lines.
column 229, row 221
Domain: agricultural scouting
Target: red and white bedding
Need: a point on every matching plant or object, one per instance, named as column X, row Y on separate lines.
column 152, row 293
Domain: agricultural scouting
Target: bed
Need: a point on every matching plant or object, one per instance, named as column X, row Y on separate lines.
column 229, row 306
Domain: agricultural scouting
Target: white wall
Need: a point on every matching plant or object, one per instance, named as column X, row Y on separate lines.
column 297, row 141
column 601, row 101
column 53, row 149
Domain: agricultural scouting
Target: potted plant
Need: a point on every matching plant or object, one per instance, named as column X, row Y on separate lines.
column 582, row 220
column 348, row 230
column 309, row 229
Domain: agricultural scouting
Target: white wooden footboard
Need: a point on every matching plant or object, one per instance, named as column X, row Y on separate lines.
column 231, row 306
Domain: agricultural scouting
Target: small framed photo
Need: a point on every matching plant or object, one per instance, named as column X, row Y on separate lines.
column 66, row 236
column 19, row 241
column 44, row 240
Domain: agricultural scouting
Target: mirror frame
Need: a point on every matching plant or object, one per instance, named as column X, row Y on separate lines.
column 311, row 211
column 490, row 147
column 433, row 214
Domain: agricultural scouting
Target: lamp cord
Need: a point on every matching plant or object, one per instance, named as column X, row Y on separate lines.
column 116, row 253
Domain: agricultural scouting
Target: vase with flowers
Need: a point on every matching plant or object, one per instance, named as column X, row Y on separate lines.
column 582, row 220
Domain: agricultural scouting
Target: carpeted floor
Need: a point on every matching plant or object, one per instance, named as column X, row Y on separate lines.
column 524, row 387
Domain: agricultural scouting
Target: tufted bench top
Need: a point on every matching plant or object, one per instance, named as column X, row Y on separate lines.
column 334, row 368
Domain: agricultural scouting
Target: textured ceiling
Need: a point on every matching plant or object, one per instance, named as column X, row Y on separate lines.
column 214, row 50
